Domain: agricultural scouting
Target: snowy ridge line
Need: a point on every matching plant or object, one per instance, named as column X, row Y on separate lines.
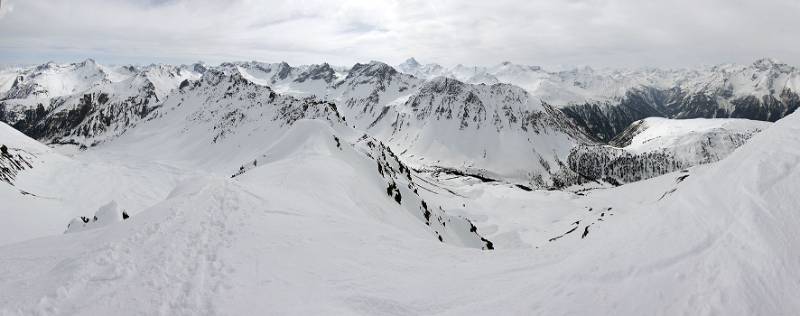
column 337, row 141
column 330, row 219
column 434, row 122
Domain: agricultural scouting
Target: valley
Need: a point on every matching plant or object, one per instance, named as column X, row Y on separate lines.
column 379, row 190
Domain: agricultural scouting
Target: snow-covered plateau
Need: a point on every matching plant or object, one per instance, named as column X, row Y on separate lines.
column 251, row 188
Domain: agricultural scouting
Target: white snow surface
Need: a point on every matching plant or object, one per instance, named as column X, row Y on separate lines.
column 16, row 139
column 376, row 98
column 105, row 215
column 239, row 208
column 305, row 233
column 693, row 139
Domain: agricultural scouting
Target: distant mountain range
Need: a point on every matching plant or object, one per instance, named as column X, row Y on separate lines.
column 605, row 102
column 417, row 189
column 507, row 122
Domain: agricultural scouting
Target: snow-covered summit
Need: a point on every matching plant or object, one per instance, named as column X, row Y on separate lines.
column 427, row 71
column 54, row 80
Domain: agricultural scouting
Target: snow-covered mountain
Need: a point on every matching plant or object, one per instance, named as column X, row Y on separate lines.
column 229, row 125
column 766, row 90
column 85, row 103
column 606, row 101
column 519, row 133
column 428, row 71
column 440, row 124
column 53, row 80
column 656, row 146
column 559, row 88
column 494, row 132
column 316, row 226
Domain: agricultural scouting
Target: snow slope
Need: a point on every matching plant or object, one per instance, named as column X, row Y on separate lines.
column 54, row 80
column 348, row 160
column 54, row 187
column 454, row 125
column 86, row 103
column 274, row 242
column 724, row 241
column 497, row 132
column 17, row 140
column 422, row 118
column 244, row 199
column 682, row 136
column 655, row 146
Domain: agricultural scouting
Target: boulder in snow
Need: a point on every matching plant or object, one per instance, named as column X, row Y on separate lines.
column 105, row 215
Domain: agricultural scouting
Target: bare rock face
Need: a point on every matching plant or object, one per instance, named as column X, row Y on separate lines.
column 12, row 161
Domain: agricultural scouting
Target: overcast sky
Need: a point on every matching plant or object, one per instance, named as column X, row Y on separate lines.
column 627, row 33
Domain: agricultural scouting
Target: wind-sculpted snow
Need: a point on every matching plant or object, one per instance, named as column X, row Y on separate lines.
column 106, row 215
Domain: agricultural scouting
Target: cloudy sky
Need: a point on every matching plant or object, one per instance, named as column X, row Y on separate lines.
column 616, row 33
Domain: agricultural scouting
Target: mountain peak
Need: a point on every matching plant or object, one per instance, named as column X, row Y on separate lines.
column 48, row 65
column 411, row 63
column 442, row 84
column 371, row 68
column 766, row 62
column 378, row 63
column 322, row 71
column 88, row 62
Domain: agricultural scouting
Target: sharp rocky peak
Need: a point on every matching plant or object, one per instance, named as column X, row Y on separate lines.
column 410, row 63
column 322, row 71
column 374, row 71
column 372, row 68
column 443, row 84
column 767, row 64
column 88, row 62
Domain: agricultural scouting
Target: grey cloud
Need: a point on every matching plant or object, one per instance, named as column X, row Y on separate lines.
column 542, row 32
